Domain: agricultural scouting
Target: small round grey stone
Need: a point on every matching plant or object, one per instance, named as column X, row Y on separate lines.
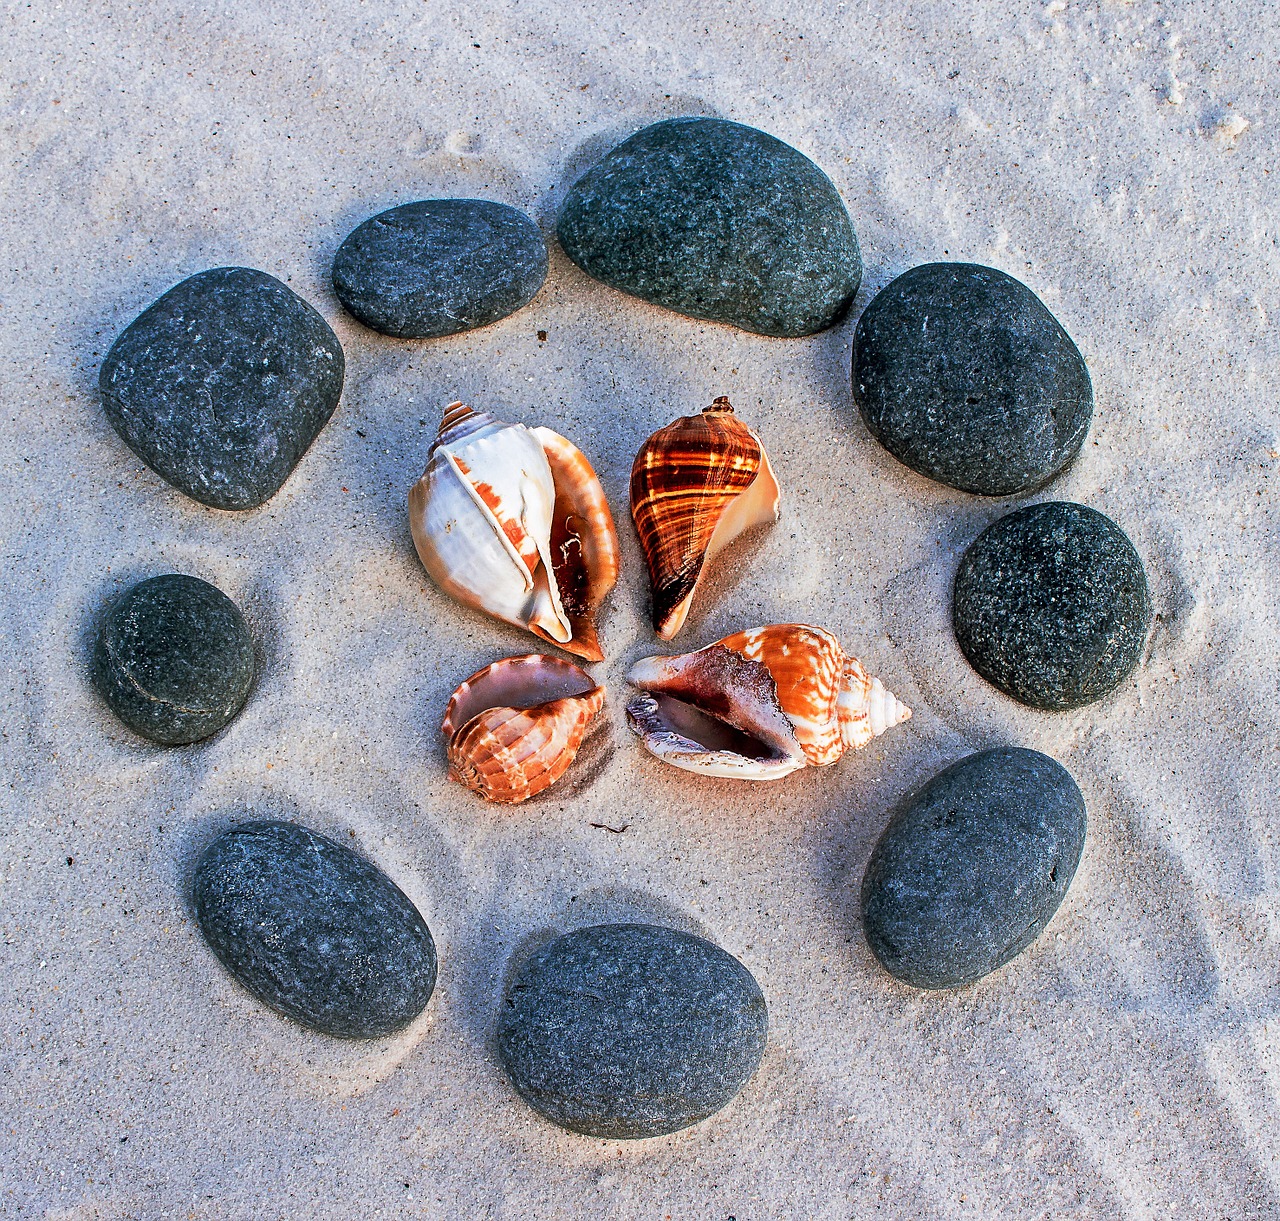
column 631, row 1030
column 963, row 374
column 968, row 873
column 716, row 220
column 174, row 659
column 440, row 266
column 1051, row 605
column 221, row 385
column 314, row 931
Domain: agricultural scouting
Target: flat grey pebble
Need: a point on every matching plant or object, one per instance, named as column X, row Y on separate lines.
column 964, row 375
column 968, row 873
column 716, row 220
column 1051, row 605
column 221, row 385
column 174, row 659
column 439, row 266
column 631, row 1030
column 314, row 931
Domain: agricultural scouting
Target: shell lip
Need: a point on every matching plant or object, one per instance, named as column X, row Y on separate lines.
column 528, row 682
column 713, row 711
column 687, row 738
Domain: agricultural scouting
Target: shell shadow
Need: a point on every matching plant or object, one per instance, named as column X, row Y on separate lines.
column 732, row 570
column 593, row 761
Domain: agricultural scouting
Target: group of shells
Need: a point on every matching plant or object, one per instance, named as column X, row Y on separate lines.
column 513, row 521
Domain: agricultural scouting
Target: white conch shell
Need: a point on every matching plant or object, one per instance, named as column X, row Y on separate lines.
column 484, row 515
column 759, row 704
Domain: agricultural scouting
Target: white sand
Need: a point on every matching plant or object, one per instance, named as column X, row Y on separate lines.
column 1120, row 159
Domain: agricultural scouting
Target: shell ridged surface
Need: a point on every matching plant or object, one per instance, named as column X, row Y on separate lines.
column 513, row 728
column 807, row 665
column 700, row 712
column 695, row 486
column 504, row 513
column 865, row 708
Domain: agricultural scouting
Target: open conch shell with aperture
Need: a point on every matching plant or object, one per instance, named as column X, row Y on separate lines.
column 513, row 728
column 513, row 521
column 695, row 486
column 759, row 704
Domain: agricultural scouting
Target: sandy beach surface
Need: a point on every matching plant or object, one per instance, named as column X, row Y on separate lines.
column 1118, row 158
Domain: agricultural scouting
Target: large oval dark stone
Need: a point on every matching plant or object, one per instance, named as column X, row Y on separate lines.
column 631, row 1030
column 440, row 266
column 716, row 220
column 222, row 384
column 174, row 659
column 968, row 873
column 314, row 931
column 1051, row 605
column 962, row 373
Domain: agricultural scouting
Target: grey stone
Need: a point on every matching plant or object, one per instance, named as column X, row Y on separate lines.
column 968, row 873
column 1051, row 605
column 961, row 373
column 716, row 220
column 174, row 659
column 222, row 384
column 440, row 266
column 631, row 1030
column 314, row 931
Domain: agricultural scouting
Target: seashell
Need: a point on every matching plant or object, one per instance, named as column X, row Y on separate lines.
column 513, row 728
column 695, row 486
column 584, row 543
column 513, row 521
column 759, row 704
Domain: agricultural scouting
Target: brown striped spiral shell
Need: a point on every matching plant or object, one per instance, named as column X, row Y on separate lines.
column 695, row 486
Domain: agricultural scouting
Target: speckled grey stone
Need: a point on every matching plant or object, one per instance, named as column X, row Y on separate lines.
column 174, row 659
column 222, row 384
column 962, row 373
column 440, row 266
column 314, row 931
column 631, row 1030
column 968, row 872
column 1051, row 605
column 716, row 220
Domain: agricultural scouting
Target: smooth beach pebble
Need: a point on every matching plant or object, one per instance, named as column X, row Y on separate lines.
column 631, row 1030
column 716, row 220
column 174, row 659
column 962, row 374
column 970, row 871
column 314, row 931
column 1051, row 605
column 222, row 384
column 440, row 266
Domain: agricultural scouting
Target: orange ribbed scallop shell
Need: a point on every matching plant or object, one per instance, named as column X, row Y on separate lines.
column 695, row 486
column 514, row 727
